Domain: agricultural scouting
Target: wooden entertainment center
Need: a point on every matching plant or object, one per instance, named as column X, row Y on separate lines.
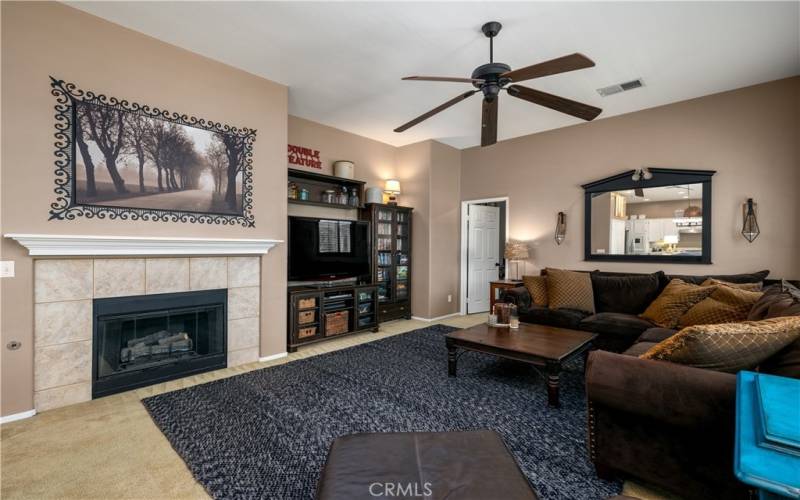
column 318, row 312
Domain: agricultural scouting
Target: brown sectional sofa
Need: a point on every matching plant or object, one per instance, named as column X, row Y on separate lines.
column 619, row 298
column 667, row 424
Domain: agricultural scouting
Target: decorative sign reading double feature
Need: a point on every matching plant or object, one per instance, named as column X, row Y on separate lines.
column 304, row 157
column 122, row 160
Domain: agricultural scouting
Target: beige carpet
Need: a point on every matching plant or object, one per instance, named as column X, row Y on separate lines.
column 110, row 447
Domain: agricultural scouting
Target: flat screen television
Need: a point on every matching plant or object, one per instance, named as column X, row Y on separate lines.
column 327, row 249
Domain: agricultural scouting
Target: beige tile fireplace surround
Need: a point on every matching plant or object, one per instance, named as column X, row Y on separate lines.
column 63, row 293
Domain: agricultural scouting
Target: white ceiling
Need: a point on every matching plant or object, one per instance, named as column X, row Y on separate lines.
column 343, row 61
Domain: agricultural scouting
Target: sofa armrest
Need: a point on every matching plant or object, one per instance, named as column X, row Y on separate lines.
column 519, row 296
column 675, row 394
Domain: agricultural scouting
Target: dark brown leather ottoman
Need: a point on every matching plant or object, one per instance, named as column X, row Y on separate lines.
column 473, row 465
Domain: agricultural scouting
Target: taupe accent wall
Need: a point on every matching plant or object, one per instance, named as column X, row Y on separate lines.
column 42, row 39
column 750, row 136
column 429, row 174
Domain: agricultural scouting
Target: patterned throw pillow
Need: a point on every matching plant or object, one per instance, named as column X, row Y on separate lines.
column 727, row 347
column 569, row 290
column 753, row 287
column 537, row 287
column 724, row 305
column 677, row 298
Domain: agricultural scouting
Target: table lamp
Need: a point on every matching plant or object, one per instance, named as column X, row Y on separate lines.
column 392, row 188
column 516, row 251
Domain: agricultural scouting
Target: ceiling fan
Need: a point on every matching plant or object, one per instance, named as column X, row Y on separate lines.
column 493, row 77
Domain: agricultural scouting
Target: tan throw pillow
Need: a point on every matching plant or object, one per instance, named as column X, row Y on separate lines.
column 753, row 287
column 727, row 347
column 537, row 287
column 724, row 305
column 676, row 298
column 569, row 290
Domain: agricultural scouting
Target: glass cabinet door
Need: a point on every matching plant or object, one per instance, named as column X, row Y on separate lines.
column 383, row 241
column 401, row 255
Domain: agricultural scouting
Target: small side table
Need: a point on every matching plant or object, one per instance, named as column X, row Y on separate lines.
column 496, row 286
column 766, row 455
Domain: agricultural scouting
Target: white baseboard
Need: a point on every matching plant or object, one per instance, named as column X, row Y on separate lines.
column 17, row 416
column 438, row 318
column 273, row 357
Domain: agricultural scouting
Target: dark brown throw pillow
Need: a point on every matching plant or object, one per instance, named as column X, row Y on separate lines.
column 629, row 294
column 537, row 287
column 569, row 290
column 756, row 277
column 727, row 347
column 782, row 299
column 752, row 287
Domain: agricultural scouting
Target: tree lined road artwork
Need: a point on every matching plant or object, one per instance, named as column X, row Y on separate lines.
column 125, row 159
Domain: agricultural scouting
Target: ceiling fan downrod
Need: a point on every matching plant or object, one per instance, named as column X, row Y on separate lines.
column 491, row 29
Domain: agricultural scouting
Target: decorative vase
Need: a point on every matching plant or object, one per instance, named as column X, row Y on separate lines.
column 344, row 168
column 374, row 195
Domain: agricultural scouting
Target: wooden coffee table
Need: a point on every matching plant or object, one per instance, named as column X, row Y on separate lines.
column 539, row 345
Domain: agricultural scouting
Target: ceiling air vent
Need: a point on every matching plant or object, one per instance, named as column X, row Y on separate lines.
column 620, row 87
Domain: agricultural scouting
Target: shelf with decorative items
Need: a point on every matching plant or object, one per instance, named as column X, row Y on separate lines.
column 322, row 190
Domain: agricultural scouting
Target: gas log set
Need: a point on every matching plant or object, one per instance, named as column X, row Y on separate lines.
column 161, row 342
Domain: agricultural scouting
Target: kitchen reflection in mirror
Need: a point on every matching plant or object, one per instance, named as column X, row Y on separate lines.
column 649, row 215
column 659, row 221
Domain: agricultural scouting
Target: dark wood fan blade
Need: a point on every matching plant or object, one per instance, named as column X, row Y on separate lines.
column 551, row 67
column 443, row 79
column 435, row 110
column 574, row 108
column 489, row 122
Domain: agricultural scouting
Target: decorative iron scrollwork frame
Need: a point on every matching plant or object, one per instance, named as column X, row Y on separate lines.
column 67, row 207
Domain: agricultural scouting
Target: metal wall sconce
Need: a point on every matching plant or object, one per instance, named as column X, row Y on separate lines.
column 750, row 229
column 561, row 227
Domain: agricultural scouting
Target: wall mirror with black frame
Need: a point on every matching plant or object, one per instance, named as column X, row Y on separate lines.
column 650, row 215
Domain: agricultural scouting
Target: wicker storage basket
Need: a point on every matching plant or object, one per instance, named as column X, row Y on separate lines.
column 305, row 317
column 307, row 303
column 336, row 323
column 304, row 333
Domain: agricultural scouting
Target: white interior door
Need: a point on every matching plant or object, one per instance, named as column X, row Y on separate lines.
column 483, row 255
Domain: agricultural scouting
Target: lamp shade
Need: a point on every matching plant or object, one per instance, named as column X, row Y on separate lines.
column 671, row 239
column 516, row 250
column 392, row 186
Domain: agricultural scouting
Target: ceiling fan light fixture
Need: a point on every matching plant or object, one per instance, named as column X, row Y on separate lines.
column 493, row 77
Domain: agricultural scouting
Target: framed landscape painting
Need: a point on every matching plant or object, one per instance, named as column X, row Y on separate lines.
column 116, row 159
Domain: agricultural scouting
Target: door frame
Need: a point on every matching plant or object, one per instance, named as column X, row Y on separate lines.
column 462, row 285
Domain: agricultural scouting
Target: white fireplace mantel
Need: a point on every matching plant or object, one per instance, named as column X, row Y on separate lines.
column 88, row 245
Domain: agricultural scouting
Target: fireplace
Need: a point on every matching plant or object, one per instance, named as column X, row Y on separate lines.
column 147, row 339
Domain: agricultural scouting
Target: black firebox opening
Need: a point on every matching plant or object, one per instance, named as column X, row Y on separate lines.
column 147, row 339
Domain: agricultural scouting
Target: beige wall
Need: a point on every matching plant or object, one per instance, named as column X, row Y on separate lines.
column 429, row 174
column 749, row 136
column 41, row 39
column 375, row 161
column 413, row 172
column 444, row 250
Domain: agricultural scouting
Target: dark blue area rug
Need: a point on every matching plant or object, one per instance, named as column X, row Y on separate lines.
column 266, row 433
